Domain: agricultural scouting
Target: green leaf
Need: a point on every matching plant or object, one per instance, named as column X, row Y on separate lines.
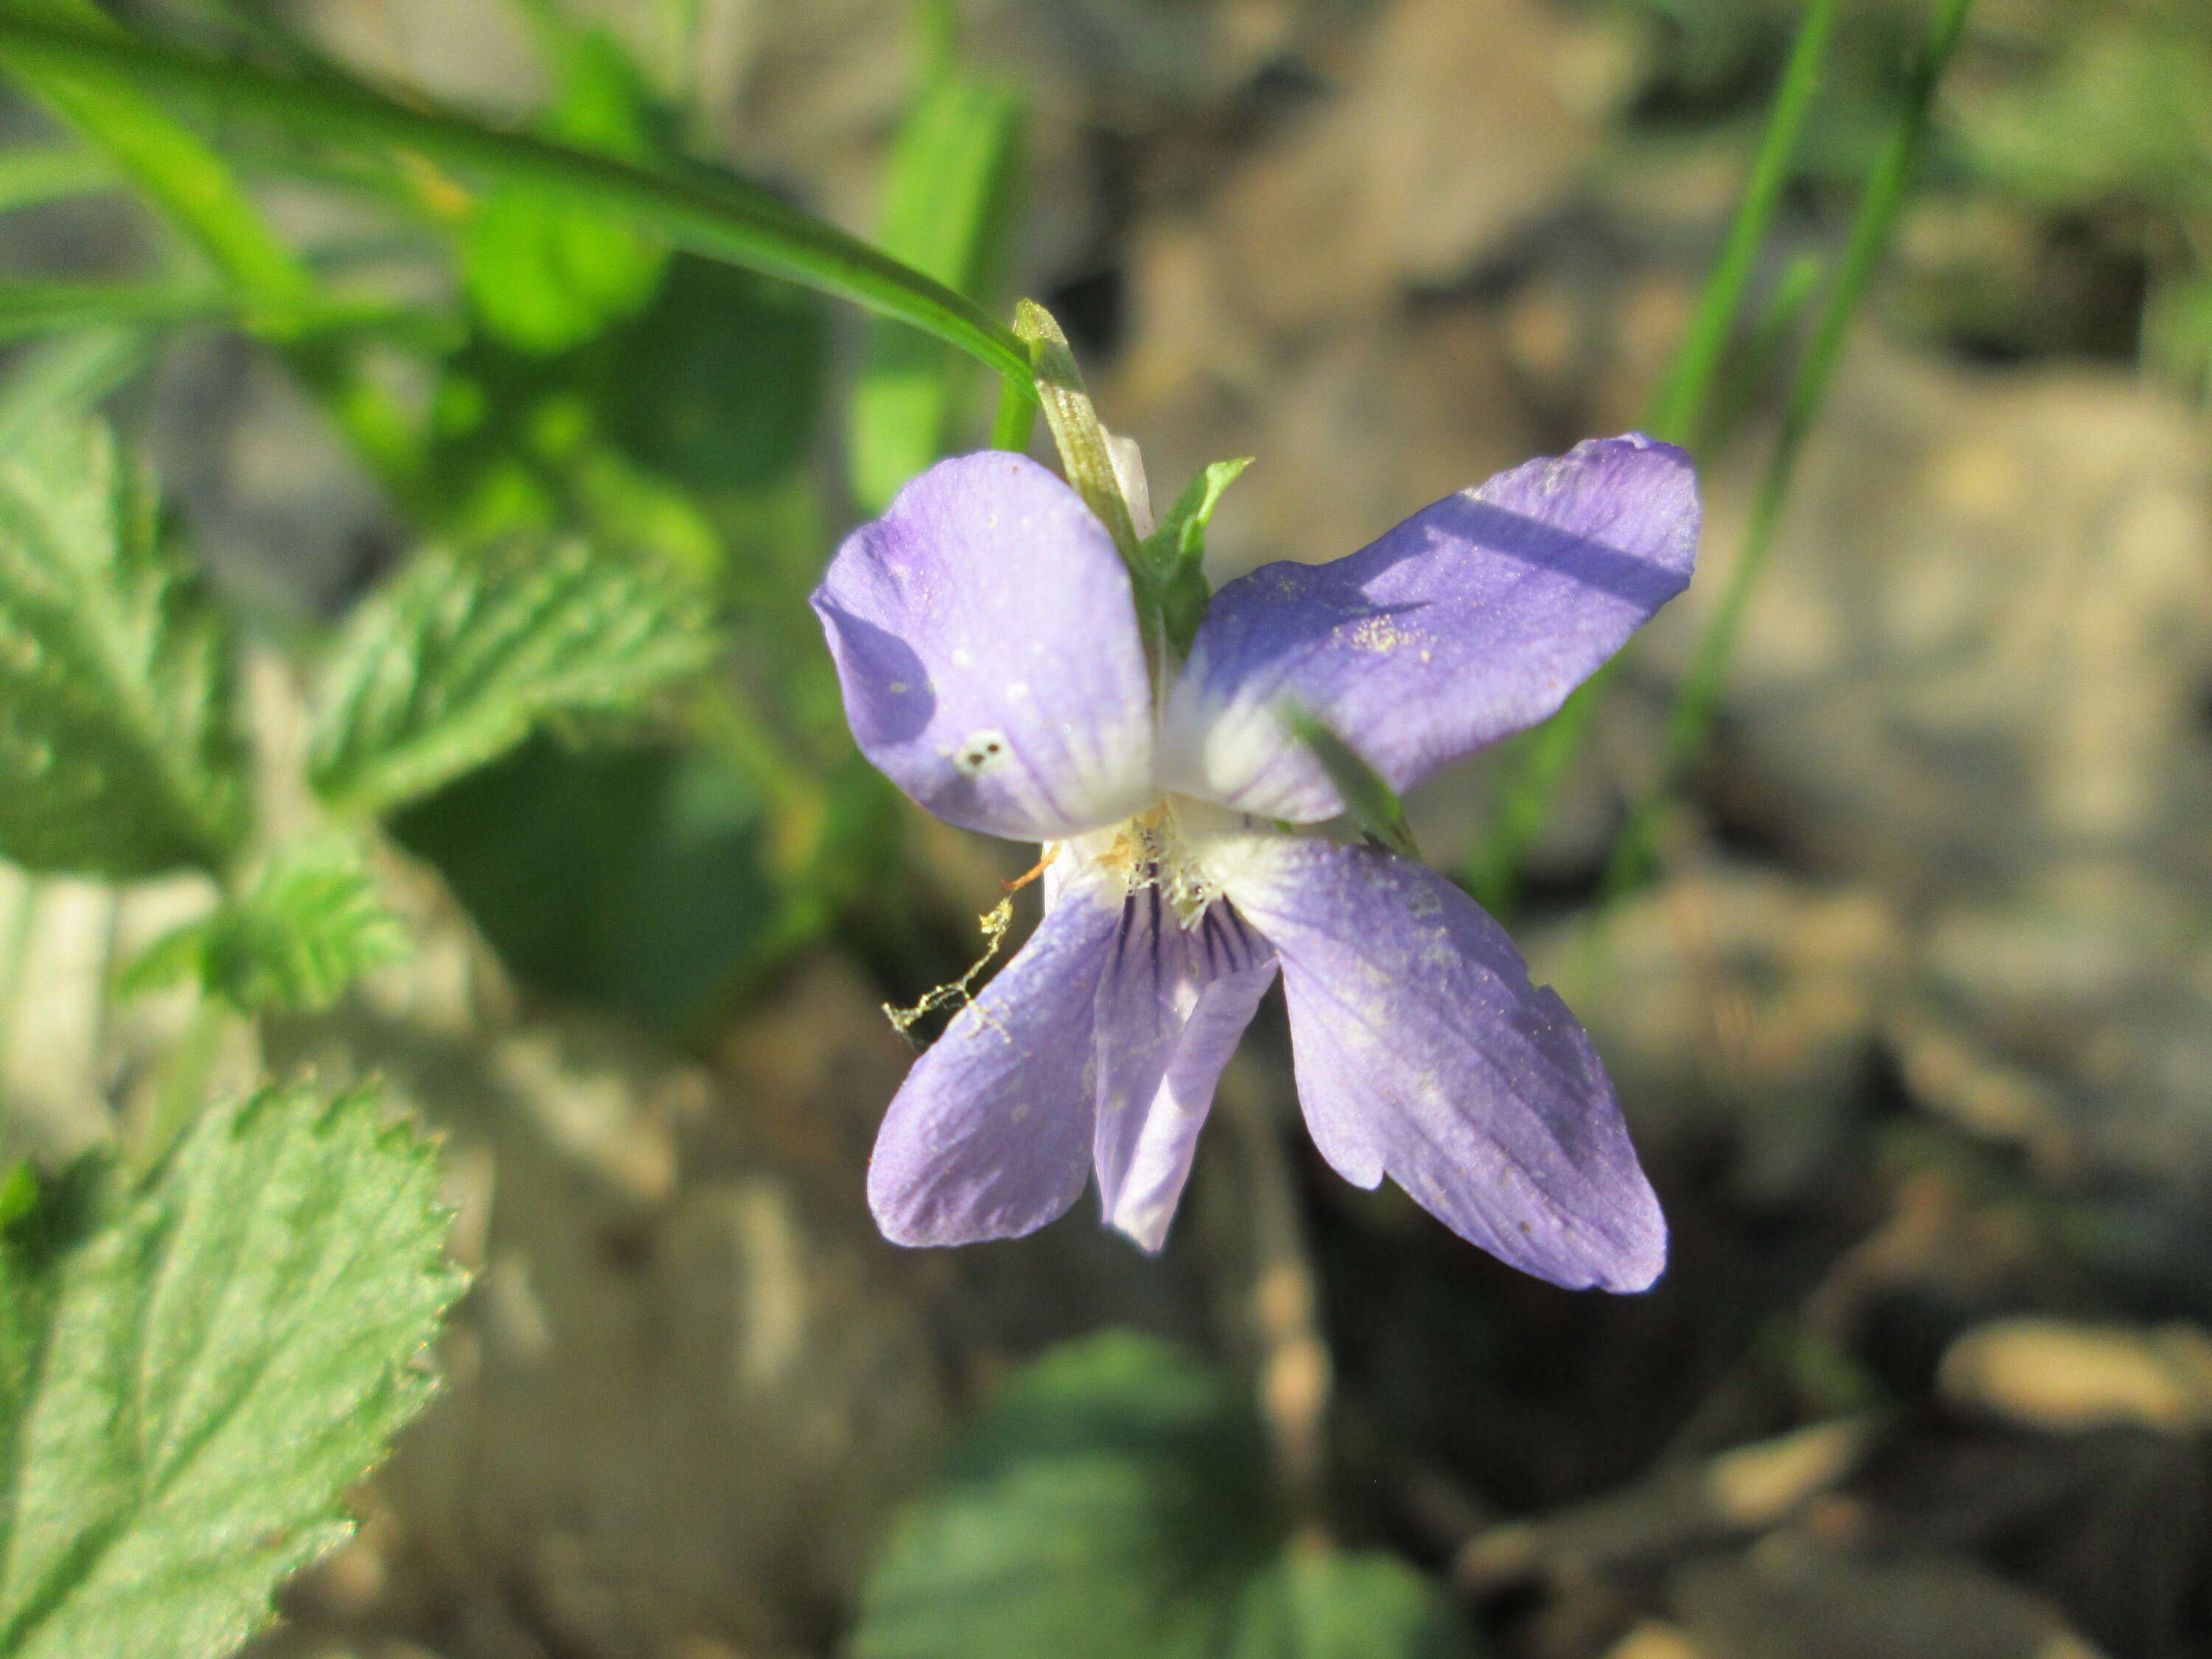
column 638, row 877
column 193, row 1372
column 455, row 661
column 1115, row 1503
column 1315, row 1605
column 118, row 753
column 545, row 273
column 1541, row 761
column 947, row 211
column 312, row 924
column 32, row 174
column 707, row 212
column 167, row 160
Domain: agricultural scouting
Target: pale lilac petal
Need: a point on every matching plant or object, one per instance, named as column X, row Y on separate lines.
column 1469, row 622
column 1171, row 1006
column 987, row 643
column 1423, row 1053
column 989, row 1137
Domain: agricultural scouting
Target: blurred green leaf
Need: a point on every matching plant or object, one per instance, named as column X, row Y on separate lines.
column 194, row 188
column 1311, row 1604
column 545, row 272
column 1115, row 1503
column 167, row 160
column 1540, row 760
column 2116, row 108
column 707, row 211
column 191, row 1373
column 1698, row 702
column 118, row 752
column 948, row 212
column 312, row 923
column 32, row 174
column 30, row 308
column 59, row 381
column 635, row 879
column 718, row 386
column 456, row 659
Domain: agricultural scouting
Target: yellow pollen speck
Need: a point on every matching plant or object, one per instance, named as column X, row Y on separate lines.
column 1376, row 633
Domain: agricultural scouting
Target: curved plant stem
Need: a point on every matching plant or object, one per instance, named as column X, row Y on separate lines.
column 709, row 214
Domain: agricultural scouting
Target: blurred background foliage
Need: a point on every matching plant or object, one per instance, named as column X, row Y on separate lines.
column 487, row 508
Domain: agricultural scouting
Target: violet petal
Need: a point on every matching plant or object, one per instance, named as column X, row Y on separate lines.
column 986, row 645
column 1422, row 1052
column 1470, row 621
column 989, row 1137
column 1171, row 1006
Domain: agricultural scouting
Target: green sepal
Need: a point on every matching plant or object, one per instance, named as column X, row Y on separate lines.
column 1176, row 551
column 1369, row 801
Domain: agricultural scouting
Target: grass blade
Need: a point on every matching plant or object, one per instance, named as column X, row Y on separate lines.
column 1887, row 189
column 36, row 308
column 52, row 173
column 1547, row 755
column 711, row 215
column 1678, row 410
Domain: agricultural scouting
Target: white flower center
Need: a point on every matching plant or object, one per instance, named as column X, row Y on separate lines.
column 1163, row 847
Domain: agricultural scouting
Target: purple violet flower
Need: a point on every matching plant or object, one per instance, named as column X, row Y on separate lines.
column 987, row 643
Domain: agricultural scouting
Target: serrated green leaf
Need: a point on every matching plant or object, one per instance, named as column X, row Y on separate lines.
column 947, row 211
column 60, row 380
column 543, row 273
column 191, row 1373
column 1116, row 1504
column 456, row 660
column 312, row 923
column 119, row 755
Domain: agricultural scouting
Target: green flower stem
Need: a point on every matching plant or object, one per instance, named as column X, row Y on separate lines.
column 1691, row 716
column 710, row 215
column 1794, row 294
column 1017, row 417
